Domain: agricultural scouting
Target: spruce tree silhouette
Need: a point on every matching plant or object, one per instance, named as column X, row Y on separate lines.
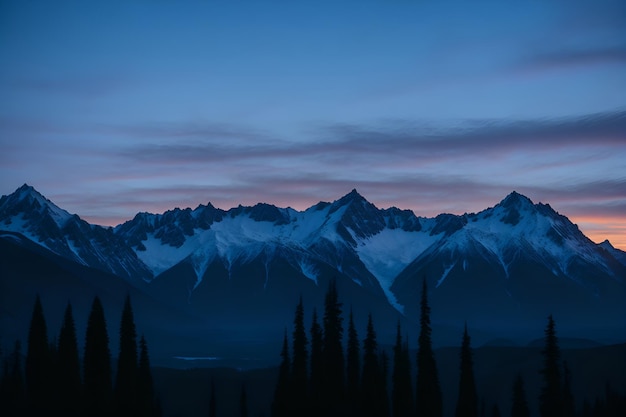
column 38, row 364
column 401, row 389
column 147, row 405
column 68, row 379
column 519, row 405
column 317, row 366
column 13, row 399
column 429, row 402
column 299, row 366
column 332, row 348
column 353, row 369
column 126, row 377
column 282, row 393
column 371, row 379
column 467, row 403
column 98, row 392
column 383, row 389
column 551, row 397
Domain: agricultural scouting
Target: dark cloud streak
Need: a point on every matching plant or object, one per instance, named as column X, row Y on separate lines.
column 353, row 141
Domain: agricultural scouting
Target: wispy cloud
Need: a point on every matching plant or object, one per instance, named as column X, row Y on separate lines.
column 78, row 86
column 353, row 142
column 575, row 164
column 568, row 58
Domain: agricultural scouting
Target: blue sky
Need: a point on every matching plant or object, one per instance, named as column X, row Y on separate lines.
column 110, row 108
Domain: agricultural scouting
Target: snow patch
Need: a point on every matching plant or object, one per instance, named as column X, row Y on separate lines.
column 444, row 275
column 388, row 252
column 308, row 270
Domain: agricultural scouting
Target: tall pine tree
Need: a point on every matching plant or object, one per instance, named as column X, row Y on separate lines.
column 551, row 399
column 467, row 403
column 317, row 367
column 68, row 380
column 98, row 393
column 383, row 389
column 38, row 364
column 282, row 394
column 371, row 373
column 126, row 377
column 519, row 405
column 333, row 388
column 353, row 369
column 13, row 401
column 299, row 364
column 147, row 404
column 429, row 402
column 401, row 390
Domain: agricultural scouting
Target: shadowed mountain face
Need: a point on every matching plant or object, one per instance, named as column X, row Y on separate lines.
column 217, row 277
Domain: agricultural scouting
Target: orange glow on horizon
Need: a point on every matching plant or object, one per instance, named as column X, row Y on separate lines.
column 599, row 229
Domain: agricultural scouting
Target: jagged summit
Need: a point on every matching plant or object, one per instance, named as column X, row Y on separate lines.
column 500, row 256
column 515, row 199
column 31, row 206
column 28, row 212
column 350, row 198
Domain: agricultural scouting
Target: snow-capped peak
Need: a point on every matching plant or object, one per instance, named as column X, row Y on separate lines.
column 30, row 203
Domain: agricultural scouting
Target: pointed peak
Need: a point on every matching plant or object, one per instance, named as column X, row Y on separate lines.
column 606, row 244
column 26, row 187
column 515, row 199
column 352, row 196
column 26, row 190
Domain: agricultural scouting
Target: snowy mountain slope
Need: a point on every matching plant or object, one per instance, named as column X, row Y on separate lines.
column 521, row 260
column 386, row 252
column 29, row 213
column 619, row 255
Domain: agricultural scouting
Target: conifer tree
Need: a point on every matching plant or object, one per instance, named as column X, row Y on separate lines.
column 126, row 377
column 282, row 394
column 551, row 400
column 145, row 387
column 54, row 405
column 429, row 402
column 401, row 390
column 299, row 366
column 519, row 405
column 371, row 379
column 38, row 363
column 467, row 403
column 569, row 408
column 495, row 411
column 353, row 378
column 317, row 369
column 13, row 401
column 383, row 388
column 333, row 365
column 98, row 393
column 68, row 378
column 213, row 402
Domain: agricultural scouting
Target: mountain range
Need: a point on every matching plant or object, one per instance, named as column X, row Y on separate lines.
column 206, row 278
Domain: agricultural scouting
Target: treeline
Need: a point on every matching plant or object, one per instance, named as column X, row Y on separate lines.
column 53, row 382
column 318, row 377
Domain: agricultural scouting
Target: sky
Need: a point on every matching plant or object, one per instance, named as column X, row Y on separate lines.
column 110, row 108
